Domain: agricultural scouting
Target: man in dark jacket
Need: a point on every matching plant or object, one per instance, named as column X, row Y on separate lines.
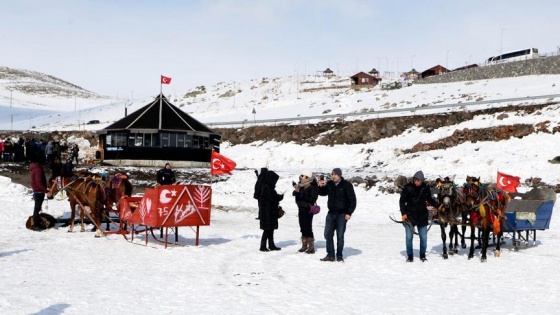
column 166, row 176
column 341, row 203
column 269, row 200
column 415, row 213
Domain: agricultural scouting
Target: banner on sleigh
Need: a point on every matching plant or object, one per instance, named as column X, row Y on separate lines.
column 169, row 206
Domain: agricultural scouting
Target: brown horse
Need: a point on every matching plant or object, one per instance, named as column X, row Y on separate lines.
column 486, row 206
column 85, row 193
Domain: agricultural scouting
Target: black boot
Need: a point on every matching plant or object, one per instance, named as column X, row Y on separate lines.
column 263, row 242
column 271, row 245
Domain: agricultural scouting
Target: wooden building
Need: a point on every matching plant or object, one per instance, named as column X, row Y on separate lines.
column 362, row 79
column 410, row 75
column 474, row 65
column 155, row 134
column 437, row 70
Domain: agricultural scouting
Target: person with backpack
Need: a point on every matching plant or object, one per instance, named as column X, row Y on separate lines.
column 306, row 193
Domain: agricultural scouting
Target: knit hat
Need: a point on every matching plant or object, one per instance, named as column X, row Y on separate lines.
column 419, row 175
column 337, row 171
column 307, row 173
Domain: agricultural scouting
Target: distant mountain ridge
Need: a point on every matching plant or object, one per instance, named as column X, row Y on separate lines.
column 37, row 83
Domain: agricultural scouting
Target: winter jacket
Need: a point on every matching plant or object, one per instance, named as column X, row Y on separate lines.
column 38, row 179
column 165, row 176
column 67, row 169
column 307, row 197
column 49, row 149
column 259, row 183
column 56, row 170
column 413, row 203
column 342, row 198
column 268, row 202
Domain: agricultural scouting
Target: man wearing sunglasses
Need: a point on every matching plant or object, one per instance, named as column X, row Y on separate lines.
column 341, row 203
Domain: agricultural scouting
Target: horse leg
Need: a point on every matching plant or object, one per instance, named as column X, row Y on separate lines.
column 97, row 217
column 82, row 225
column 443, row 238
column 471, row 251
column 455, row 236
column 73, row 206
column 463, row 229
column 485, row 238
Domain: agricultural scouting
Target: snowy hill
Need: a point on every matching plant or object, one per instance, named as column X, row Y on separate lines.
column 301, row 96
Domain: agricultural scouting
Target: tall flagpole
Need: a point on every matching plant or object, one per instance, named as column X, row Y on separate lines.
column 160, row 99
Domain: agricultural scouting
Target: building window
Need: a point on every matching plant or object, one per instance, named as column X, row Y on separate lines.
column 118, row 139
column 147, row 139
column 173, row 140
column 181, row 140
column 188, row 141
column 164, row 139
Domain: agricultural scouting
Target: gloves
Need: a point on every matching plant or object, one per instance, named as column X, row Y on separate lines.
column 404, row 217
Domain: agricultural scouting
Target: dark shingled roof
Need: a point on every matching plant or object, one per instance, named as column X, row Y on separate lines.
column 155, row 117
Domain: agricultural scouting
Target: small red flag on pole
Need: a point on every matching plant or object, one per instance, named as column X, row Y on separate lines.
column 220, row 164
column 165, row 80
column 507, row 183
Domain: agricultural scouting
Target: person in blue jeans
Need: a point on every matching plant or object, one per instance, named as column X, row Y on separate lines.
column 415, row 213
column 341, row 204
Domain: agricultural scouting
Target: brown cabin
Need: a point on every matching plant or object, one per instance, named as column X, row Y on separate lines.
column 410, row 75
column 362, row 79
column 474, row 65
column 437, row 70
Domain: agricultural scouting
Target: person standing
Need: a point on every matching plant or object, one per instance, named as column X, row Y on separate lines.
column 165, row 176
column 39, row 186
column 269, row 200
column 49, row 152
column 306, row 193
column 56, row 169
column 414, row 213
column 75, row 151
column 341, row 203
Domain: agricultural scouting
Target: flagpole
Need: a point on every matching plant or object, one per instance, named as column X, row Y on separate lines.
column 160, row 99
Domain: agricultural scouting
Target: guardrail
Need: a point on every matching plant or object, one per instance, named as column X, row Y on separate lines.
column 384, row 113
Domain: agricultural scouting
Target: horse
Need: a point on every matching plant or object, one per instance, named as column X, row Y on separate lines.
column 485, row 205
column 117, row 187
column 448, row 196
column 84, row 192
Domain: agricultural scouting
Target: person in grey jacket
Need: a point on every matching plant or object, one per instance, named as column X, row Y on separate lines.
column 341, row 203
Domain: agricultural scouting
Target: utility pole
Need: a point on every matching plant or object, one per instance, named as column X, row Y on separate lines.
column 501, row 36
column 11, row 97
column 254, row 117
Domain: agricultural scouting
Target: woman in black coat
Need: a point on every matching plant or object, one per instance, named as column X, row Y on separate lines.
column 269, row 200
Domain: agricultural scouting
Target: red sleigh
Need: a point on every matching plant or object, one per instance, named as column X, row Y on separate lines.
column 167, row 206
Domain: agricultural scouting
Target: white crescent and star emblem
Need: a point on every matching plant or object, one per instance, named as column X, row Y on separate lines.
column 217, row 164
column 502, row 181
column 164, row 195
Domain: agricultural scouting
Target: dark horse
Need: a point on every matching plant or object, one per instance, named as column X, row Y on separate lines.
column 116, row 188
column 448, row 196
column 486, row 206
column 85, row 193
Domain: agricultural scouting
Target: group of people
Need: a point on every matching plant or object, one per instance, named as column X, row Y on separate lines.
column 341, row 204
column 23, row 149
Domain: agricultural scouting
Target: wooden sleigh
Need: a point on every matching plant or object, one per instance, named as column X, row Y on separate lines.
column 165, row 207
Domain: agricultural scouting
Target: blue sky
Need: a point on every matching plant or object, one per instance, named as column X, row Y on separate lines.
column 122, row 47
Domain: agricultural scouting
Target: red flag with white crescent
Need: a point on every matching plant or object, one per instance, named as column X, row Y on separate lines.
column 220, row 164
column 507, row 183
column 165, row 80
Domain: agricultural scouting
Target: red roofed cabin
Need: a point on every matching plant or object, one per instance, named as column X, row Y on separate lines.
column 437, row 70
column 363, row 79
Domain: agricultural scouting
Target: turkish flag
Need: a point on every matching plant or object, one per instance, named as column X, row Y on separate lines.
column 165, row 80
column 220, row 164
column 507, row 183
